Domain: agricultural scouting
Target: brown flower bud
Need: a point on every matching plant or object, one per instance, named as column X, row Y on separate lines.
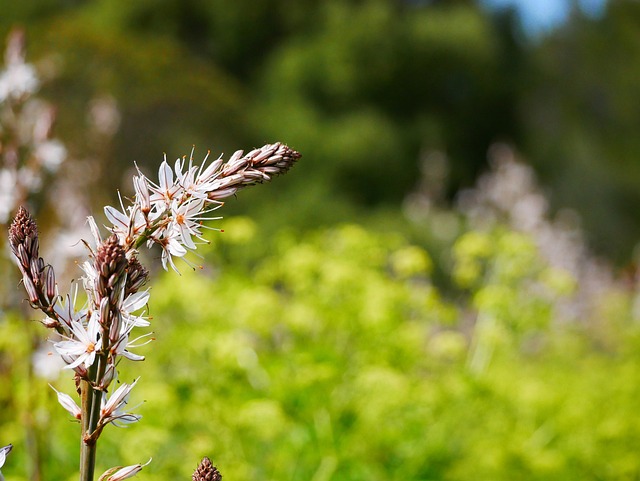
column 110, row 263
column 137, row 275
column 23, row 231
column 206, row 471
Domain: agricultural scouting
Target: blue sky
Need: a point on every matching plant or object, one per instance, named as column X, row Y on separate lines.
column 541, row 15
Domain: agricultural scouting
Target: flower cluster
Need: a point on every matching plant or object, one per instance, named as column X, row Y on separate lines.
column 96, row 334
column 169, row 213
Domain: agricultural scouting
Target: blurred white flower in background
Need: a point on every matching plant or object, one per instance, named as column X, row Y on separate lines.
column 27, row 150
column 18, row 80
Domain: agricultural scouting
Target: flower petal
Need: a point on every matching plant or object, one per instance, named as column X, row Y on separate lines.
column 68, row 403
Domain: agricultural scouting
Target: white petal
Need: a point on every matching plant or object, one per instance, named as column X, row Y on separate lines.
column 3, row 453
column 165, row 176
column 175, row 248
column 94, row 230
column 124, row 473
column 131, row 356
column 68, row 403
column 209, row 171
column 119, row 396
column 117, row 218
column 136, row 301
column 185, row 235
column 178, row 168
column 70, row 348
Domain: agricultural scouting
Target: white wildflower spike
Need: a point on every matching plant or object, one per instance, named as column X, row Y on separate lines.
column 68, row 403
column 171, row 214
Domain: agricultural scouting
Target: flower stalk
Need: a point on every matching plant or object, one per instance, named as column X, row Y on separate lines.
column 170, row 213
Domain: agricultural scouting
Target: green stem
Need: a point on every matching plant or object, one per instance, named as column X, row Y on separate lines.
column 90, row 399
column 87, row 452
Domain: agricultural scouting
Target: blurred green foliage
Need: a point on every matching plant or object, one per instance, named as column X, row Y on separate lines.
column 334, row 357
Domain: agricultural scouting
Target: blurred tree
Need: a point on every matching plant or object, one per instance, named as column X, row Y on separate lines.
column 581, row 118
column 364, row 88
column 379, row 81
column 364, row 85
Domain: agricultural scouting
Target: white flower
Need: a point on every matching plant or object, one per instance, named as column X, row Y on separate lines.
column 197, row 181
column 18, row 80
column 187, row 179
column 51, row 154
column 133, row 303
column 66, row 312
column 123, row 344
column 141, row 186
column 68, row 403
column 185, row 221
column 171, row 212
column 166, row 190
column 126, row 226
column 111, row 411
column 206, row 177
column 170, row 247
column 3, row 453
column 83, row 346
column 89, row 280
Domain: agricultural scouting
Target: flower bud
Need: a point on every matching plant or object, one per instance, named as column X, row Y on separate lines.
column 50, row 284
column 206, row 471
column 50, row 323
column 105, row 317
column 30, row 287
column 114, row 328
column 109, row 376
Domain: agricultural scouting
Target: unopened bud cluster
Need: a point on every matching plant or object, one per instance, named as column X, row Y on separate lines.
column 39, row 279
column 206, row 471
column 257, row 166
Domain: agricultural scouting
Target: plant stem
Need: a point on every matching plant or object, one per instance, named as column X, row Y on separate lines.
column 87, row 451
column 90, row 399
